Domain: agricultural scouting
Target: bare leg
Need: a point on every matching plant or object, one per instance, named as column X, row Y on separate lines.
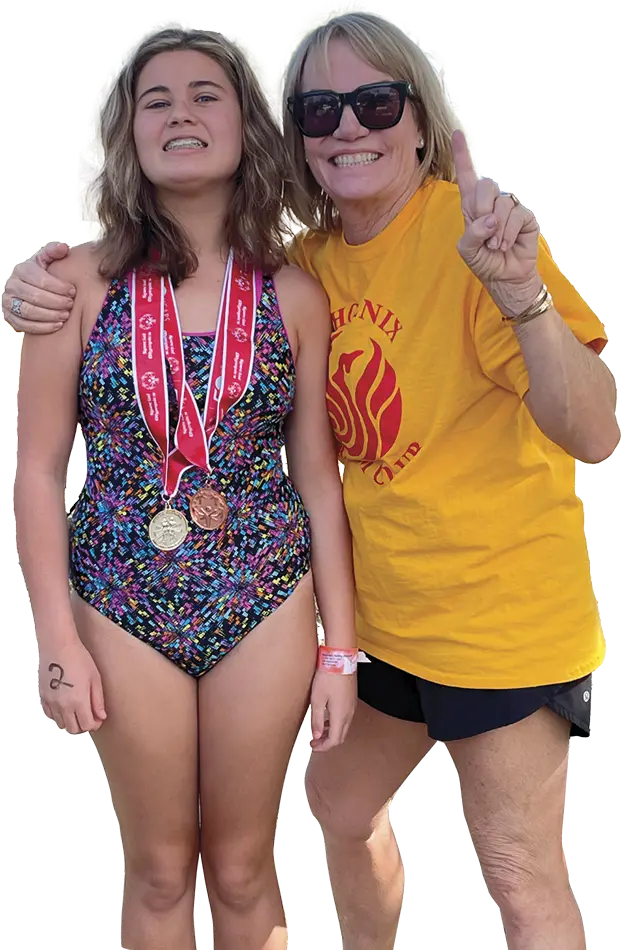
column 148, row 746
column 251, row 706
column 349, row 790
column 513, row 782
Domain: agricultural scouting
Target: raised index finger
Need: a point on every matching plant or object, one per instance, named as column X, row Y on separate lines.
column 466, row 176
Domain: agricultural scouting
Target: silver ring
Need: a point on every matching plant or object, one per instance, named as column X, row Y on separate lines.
column 16, row 307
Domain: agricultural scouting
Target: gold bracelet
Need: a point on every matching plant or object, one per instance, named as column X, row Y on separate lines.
column 542, row 304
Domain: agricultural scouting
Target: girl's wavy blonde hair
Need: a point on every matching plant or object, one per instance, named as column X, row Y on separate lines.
column 388, row 49
column 134, row 224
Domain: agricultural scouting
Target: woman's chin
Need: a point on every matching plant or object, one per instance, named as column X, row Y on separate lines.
column 363, row 193
column 362, row 184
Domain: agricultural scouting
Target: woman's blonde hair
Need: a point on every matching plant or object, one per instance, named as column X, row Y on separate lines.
column 133, row 222
column 388, row 49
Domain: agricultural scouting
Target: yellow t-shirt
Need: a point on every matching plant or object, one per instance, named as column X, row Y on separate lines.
column 471, row 564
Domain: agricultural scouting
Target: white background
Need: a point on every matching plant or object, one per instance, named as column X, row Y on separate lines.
column 537, row 86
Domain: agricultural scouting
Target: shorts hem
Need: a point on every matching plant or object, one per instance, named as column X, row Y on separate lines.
column 451, row 714
column 578, row 728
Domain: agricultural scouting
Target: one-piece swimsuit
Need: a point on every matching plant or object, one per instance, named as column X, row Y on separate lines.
column 195, row 603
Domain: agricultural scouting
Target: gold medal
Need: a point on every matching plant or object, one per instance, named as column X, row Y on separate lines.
column 208, row 509
column 155, row 319
column 168, row 529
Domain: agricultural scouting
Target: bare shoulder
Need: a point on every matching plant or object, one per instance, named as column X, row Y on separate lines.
column 301, row 296
column 80, row 267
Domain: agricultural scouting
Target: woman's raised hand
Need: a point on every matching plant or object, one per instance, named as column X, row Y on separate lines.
column 500, row 243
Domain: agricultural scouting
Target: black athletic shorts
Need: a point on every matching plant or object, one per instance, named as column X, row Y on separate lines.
column 453, row 712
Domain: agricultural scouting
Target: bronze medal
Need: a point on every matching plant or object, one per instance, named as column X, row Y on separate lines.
column 208, row 509
column 168, row 529
column 157, row 338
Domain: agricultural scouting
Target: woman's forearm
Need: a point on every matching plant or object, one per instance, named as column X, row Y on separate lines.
column 572, row 395
column 332, row 564
column 42, row 544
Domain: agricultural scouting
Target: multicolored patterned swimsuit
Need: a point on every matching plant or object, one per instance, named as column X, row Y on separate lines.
column 193, row 604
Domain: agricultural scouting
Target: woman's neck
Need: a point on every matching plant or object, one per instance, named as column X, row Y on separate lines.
column 363, row 220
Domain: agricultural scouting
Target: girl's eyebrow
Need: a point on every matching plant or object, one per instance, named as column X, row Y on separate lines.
column 191, row 85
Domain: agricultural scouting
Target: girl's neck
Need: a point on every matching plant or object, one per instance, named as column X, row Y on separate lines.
column 202, row 217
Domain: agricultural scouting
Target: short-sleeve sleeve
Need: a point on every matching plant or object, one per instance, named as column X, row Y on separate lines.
column 294, row 250
column 497, row 347
column 301, row 250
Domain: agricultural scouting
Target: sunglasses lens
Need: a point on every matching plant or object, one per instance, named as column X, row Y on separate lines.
column 379, row 107
column 318, row 114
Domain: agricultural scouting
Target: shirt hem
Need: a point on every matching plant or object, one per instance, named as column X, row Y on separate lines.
column 485, row 681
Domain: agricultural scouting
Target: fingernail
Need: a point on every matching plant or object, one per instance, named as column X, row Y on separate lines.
column 493, row 243
column 65, row 314
column 490, row 222
column 57, row 326
column 72, row 292
column 504, row 246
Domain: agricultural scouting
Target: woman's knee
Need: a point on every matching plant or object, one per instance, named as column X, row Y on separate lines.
column 340, row 813
column 520, row 872
column 161, row 877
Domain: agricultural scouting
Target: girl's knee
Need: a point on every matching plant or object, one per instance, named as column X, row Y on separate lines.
column 161, row 877
column 239, row 874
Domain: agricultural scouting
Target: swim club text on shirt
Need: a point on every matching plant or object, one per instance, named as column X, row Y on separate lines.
column 364, row 398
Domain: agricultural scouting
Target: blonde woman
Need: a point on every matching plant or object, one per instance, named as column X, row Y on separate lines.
column 188, row 645
column 462, row 386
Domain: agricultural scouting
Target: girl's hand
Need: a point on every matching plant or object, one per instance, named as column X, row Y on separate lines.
column 333, row 702
column 70, row 688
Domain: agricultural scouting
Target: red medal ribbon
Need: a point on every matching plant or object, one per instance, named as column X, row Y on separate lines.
column 157, row 341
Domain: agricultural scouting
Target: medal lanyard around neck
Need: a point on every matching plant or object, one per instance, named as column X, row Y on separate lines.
column 157, row 341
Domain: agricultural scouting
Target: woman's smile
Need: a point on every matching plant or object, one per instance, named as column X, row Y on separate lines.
column 354, row 159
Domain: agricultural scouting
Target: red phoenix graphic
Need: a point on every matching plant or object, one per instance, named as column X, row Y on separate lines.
column 366, row 406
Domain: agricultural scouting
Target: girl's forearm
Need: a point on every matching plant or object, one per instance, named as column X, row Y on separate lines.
column 42, row 543
column 332, row 566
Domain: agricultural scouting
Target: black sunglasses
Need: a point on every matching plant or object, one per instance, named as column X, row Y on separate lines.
column 377, row 105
